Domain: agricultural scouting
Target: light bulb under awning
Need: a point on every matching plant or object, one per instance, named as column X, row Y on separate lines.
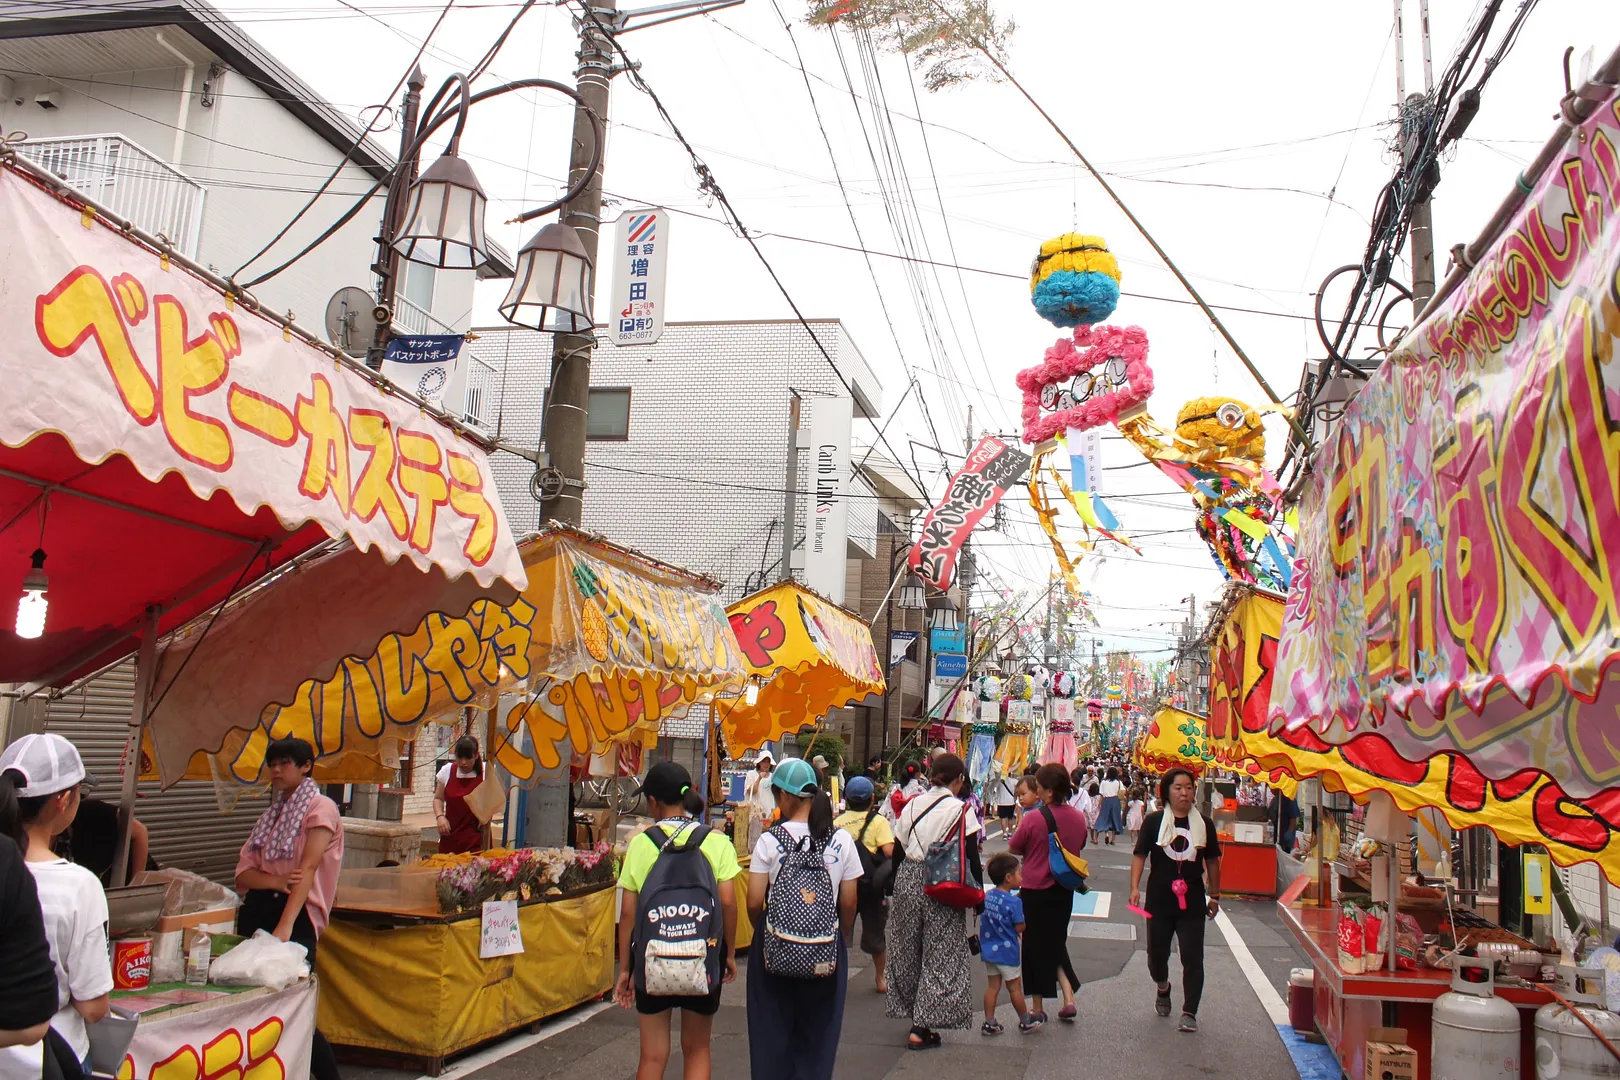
column 32, row 607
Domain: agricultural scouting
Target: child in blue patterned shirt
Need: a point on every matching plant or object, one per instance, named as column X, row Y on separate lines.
column 1000, row 928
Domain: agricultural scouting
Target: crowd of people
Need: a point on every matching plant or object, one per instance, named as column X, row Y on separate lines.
column 909, row 864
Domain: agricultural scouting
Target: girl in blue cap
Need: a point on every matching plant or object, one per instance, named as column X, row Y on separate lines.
column 794, row 1021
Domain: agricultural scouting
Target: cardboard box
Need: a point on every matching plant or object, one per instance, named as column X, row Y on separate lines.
column 1388, row 1056
column 1249, row 833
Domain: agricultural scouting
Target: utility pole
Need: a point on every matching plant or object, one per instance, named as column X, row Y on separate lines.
column 790, row 487
column 1415, row 119
column 569, row 401
column 388, row 269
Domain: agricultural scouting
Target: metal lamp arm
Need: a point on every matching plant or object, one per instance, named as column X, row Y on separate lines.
column 459, row 112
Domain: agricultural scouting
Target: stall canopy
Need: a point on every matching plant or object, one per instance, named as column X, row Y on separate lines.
column 601, row 646
column 1175, row 738
column 806, row 654
column 1529, row 808
column 162, row 447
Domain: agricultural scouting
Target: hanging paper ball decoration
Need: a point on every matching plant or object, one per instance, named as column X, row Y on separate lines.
column 1020, row 688
column 1065, row 684
column 1075, row 280
column 1222, row 427
column 988, row 688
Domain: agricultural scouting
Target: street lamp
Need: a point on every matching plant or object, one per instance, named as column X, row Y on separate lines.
column 443, row 222
column 913, row 597
column 553, row 284
column 942, row 614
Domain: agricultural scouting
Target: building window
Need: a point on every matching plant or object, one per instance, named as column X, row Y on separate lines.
column 609, row 413
column 420, row 279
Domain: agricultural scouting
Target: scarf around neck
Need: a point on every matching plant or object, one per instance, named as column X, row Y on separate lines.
column 275, row 834
column 1195, row 834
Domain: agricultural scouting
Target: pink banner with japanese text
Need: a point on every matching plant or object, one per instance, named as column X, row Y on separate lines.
column 978, row 485
column 121, row 351
column 1458, row 586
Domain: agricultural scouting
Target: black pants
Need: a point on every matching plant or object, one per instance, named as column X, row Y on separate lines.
column 794, row 1024
column 1187, row 927
column 261, row 910
column 1046, row 939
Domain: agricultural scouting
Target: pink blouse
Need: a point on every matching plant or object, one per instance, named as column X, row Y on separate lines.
column 322, row 814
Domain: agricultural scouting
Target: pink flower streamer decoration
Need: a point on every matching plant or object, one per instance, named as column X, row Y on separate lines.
column 1089, row 349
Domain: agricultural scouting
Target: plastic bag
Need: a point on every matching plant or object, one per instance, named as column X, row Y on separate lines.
column 185, row 892
column 261, row 960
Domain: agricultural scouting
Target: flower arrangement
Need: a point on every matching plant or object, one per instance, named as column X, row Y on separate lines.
column 466, row 881
column 1091, row 351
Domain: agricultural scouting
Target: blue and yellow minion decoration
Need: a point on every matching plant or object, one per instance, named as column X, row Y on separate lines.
column 1075, row 280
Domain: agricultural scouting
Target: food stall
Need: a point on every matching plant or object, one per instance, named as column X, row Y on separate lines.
column 601, row 646
column 168, row 446
column 805, row 656
column 1441, row 652
column 1176, row 738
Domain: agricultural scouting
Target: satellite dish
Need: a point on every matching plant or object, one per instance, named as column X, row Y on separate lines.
column 344, row 326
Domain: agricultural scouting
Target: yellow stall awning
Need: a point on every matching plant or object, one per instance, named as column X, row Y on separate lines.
column 603, row 645
column 807, row 655
column 1175, row 738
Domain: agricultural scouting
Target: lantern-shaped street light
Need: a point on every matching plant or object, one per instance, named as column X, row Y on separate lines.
column 913, row 597
column 942, row 614
column 553, row 285
column 444, row 221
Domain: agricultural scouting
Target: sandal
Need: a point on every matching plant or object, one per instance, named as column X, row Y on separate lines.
column 922, row 1039
column 1067, row 1014
column 991, row 1027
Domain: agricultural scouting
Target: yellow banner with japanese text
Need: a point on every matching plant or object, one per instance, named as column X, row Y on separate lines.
column 807, row 654
column 602, row 646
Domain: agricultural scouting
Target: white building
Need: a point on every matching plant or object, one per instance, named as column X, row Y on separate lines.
column 173, row 116
column 686, row 455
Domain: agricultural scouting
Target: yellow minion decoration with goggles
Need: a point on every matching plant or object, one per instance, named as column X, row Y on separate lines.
column 1221, row 427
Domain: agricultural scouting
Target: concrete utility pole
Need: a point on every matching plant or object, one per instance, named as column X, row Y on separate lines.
column 1415, row 117
column 568, row 403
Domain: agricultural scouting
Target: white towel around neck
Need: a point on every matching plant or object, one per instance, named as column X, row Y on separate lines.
column 1196, row 834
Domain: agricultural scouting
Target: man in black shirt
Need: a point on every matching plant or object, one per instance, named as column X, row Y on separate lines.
column 1181, row 845
column 92, row 840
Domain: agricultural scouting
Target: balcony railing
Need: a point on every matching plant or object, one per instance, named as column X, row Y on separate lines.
column 411, row 319
column 482, row 380
column 122, row 175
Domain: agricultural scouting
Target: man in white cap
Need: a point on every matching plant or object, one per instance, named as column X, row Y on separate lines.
column 40, row 776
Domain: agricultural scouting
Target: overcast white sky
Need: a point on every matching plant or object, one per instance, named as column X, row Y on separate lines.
column 1224, row 126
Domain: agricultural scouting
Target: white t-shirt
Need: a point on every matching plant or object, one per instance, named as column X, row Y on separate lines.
column 75, row 910
column 843, row 862
column 917, row 833
column 443, row 775
column 1108, row 788
column 1006, row 793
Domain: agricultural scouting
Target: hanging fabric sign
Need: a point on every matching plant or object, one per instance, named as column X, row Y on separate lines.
column 984, row 478
column 1459, row 578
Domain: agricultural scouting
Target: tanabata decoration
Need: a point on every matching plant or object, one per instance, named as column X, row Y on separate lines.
column 1061, row 746
column 987, row 688
column 1216, row 454
column 1091, row 378
column 1019, row 687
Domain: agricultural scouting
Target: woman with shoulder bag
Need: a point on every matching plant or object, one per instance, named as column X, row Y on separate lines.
column 930, row 983
column 1047, row 902
column 802, row 898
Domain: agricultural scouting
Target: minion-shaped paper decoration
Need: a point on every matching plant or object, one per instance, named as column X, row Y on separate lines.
column 1221, row 427
column 1075, row 280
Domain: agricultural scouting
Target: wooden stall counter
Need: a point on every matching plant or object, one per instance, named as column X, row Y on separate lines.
column 1349, row 1006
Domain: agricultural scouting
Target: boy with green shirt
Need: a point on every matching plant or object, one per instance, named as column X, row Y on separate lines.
column 665, row 787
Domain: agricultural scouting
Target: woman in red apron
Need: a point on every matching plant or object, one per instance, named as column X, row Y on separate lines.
column 459, row 828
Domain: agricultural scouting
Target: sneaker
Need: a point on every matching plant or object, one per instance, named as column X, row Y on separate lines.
column 1189, row 1022
column 1028, row 1024
column 1161, row 1003
column 991, row 1027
